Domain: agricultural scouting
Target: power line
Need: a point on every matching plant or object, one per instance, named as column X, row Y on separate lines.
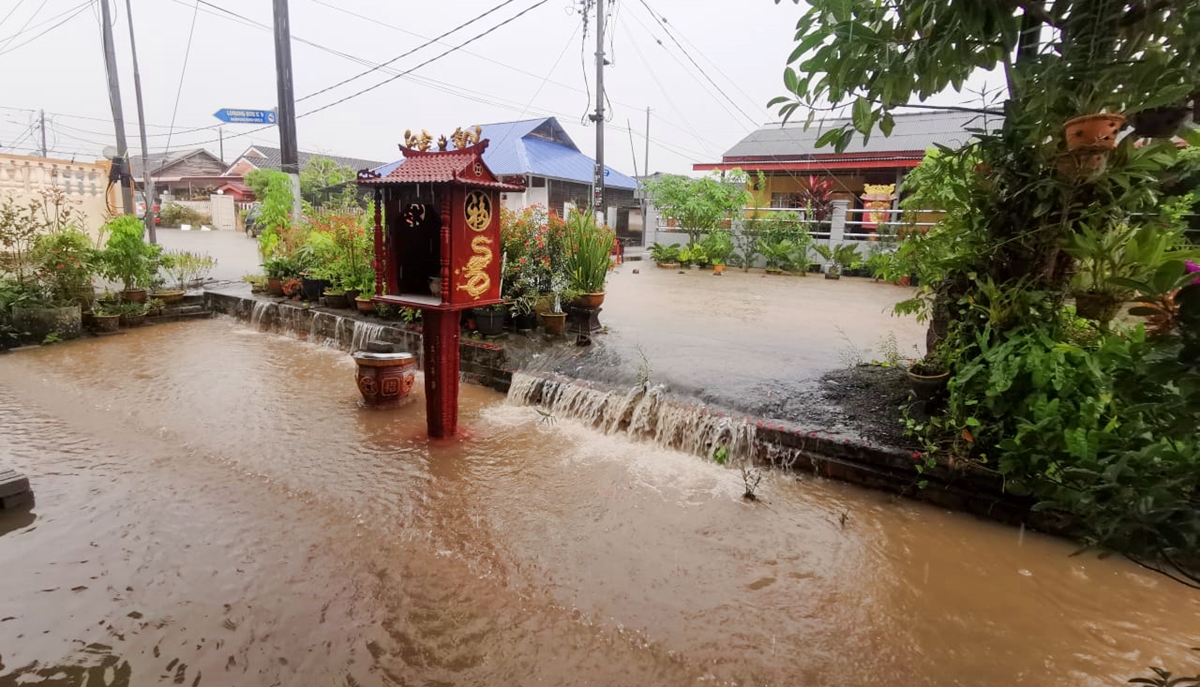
column 25, row 25
column 688, row 55
column 427, row 43
column 432, row 59
column 10, row 12
column 74, row 12
column 182, row 73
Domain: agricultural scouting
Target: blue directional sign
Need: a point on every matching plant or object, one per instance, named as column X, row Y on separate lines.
column 233, row 116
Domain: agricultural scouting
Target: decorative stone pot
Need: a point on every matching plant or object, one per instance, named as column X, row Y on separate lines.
column 275, row 286
column 336, row 300
column 134, row 295
column 106, row 324
column 130, row 321
column 927, row 387
column 384, row 378
column 833, row 273
column 351, row 296
column 1093, row 130
column 553, row 322
column 65, row 323
column 668, row 265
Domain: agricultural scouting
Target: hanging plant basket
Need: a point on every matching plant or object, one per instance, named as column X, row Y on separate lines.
column 1159, row 122
column 1083, row 163
column 1094, row 130
column 1097, row 306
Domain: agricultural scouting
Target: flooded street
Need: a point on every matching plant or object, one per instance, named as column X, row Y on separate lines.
column 214, row 508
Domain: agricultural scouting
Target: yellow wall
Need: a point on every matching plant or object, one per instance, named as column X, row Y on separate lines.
column 84, row 183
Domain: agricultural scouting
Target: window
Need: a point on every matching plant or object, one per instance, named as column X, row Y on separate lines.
column 790, row 201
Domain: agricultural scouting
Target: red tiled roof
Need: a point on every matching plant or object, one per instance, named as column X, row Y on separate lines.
column 443, row 167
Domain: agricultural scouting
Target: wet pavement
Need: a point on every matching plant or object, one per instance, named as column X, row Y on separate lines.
column 215, row 508
column 236, row 253
column 756, row 343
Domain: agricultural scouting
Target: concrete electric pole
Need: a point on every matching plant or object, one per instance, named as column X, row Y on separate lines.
column 598, row 118
column 44, row 151
column 114, row 97
column 288, row 153
column 147, row 180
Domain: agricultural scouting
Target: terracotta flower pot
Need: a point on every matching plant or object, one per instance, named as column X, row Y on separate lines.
column 365, row 305
column 553, row 322
column 718, row 269
column 170, row 296
column 275, row 286
column 1093, row 130
column 590, row 300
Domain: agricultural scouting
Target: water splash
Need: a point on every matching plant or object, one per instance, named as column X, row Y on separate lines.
column 364, row 332
column 258, row 313
column 641, row 412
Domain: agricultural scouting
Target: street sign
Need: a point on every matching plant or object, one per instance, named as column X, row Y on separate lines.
column 233, row 116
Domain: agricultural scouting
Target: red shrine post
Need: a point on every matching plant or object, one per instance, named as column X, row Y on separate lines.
column 438, row 249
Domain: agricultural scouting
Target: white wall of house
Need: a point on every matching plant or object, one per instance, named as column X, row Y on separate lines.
column 85, row 184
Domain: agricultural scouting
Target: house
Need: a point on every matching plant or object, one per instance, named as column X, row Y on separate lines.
column 183, row 174
column 556, row 173
column 266, row 157
column 786, row 155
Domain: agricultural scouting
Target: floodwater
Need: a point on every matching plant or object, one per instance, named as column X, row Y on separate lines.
column 214, row 508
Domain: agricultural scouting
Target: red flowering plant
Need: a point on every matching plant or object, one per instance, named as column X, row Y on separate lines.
column 534, row 241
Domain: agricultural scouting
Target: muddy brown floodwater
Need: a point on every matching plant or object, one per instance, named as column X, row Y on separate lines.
column 214, row 508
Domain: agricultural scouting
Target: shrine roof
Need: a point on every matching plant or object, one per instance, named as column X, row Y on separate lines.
column 441, row 167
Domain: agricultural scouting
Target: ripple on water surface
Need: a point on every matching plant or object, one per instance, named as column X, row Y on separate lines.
column 216, row 508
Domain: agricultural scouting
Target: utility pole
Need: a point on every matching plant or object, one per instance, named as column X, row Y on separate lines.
column 221, row 136
column 147, row 180
column 114, row 98
column 646, row 157
column 598, row 118
column 288, row 153
column 43, row 113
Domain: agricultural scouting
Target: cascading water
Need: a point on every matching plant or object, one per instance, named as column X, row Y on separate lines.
column 364, row 332
column 640, row 412
column 258, row 312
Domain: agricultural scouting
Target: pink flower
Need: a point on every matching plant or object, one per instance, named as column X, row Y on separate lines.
column 1192, row 268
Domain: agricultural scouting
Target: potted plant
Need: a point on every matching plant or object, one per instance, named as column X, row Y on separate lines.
column 363, row 288
column 106, row 319
column 293, row 288
column 928, row 378
column 278, row 269
column 666, row 256
column 694, row 255
column 335, row 297
column 1093, row 130
column 184, row 268
column 489, row 320
column 838, row 258
column 718, row 246
column 127, row 258
column 1109, row 259
column 587, row 260
column 155, row 307
column 132, row 314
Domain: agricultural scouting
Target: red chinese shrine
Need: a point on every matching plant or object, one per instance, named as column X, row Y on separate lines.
column 438, row 249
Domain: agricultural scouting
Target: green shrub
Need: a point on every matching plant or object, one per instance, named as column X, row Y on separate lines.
column 175, row 215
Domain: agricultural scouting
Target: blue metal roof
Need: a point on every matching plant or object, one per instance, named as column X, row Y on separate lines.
column 538, row 147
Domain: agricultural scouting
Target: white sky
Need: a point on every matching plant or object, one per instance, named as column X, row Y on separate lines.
column 528, row 68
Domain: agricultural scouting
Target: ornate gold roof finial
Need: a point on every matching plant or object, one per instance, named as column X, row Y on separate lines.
column 473, row 137
column 422, row 141
column 460, row 138
column 442, row 143
column 409, row 141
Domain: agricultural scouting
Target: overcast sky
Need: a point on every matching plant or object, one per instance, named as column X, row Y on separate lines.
column 51, row 58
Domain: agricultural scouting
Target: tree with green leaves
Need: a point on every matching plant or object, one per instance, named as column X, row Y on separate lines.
column 700, row 205
column 323, row 182
column 1102, row 426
